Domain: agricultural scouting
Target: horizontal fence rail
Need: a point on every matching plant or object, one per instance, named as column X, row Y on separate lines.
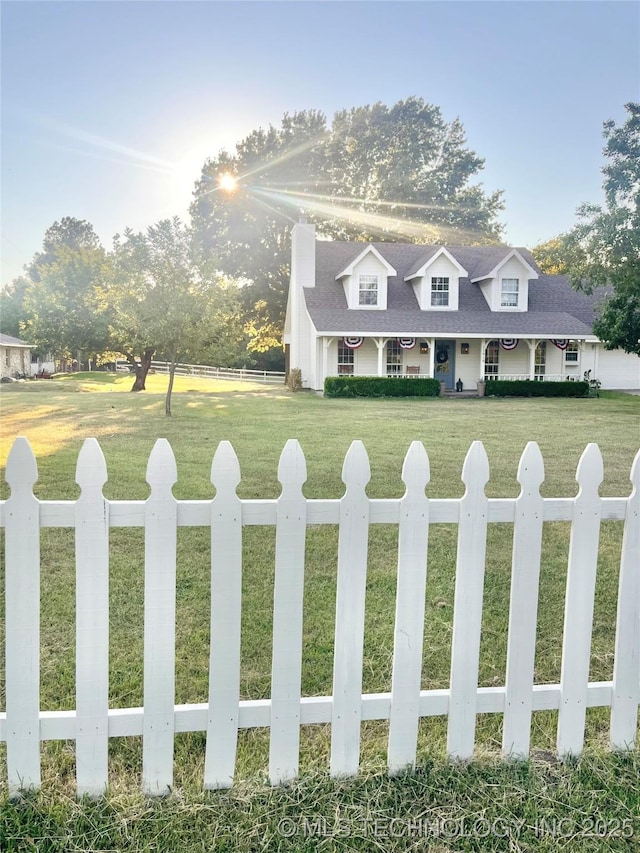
column 242, row 374
column 23, row 725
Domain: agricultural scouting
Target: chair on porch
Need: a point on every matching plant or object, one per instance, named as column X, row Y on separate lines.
column 413, row 369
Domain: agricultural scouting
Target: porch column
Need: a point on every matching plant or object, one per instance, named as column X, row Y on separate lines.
column 380, row 343
column 326, row 343
column 432, row 358
column 532, row 358
column 483, row 353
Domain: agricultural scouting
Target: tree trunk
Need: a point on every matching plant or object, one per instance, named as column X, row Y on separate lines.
column 141, row 370
column 172, row 371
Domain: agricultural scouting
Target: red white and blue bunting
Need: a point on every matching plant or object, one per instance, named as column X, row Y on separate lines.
column 561, row 344
column 353, row 343
column 407, row 343
column 509, row 343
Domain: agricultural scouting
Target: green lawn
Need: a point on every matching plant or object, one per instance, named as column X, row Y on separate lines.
column 57, row 415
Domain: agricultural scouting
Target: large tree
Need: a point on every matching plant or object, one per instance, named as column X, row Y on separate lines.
column 61, row 299
column 164, row 302
column 377, row 173
column 603, row 250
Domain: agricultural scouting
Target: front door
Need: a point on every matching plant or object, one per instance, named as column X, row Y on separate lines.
column 444, row 363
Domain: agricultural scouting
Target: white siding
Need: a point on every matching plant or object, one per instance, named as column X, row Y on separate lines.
column 468, row 366
column 366, row 360
column 617, row 369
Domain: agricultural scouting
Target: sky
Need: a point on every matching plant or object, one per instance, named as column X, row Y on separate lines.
column 109, row 109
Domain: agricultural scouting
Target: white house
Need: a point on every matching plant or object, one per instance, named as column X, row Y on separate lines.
column 454, row 313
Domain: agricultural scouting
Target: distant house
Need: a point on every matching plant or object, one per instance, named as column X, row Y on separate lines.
column 454, row 313
column 15, row 356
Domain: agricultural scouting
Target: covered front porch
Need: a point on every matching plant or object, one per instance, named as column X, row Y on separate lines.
column 456, row 362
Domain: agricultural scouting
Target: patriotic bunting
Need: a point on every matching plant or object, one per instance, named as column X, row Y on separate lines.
column 353, row 343
column 561, row 344
column 407, row 343
column 509, row 343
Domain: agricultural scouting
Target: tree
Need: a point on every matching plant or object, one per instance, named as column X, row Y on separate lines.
column 606, row 241
column 379, row 172
column 554, row 255
column 12, row 310
column 161, row 300
column 61, row 298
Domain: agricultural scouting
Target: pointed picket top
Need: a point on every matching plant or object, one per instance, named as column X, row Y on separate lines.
column 292, row 467
column 225, row 468
column 416, row 472
column 531, row 467
column 356, row 471
column 91, row 467
column 590, row 471
column 161, row 467
column 22, row 468
column 475, row 470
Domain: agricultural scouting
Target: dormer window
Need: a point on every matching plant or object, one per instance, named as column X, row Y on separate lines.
column 440, row 290
column 368, row 290
column 509, row 292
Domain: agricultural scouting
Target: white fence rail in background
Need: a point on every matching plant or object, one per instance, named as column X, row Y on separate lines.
column 92, row 723
column 243, row 374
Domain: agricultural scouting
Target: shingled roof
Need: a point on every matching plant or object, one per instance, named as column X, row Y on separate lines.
column 554, row 310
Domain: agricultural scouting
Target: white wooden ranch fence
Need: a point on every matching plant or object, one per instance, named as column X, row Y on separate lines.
column 92, row 723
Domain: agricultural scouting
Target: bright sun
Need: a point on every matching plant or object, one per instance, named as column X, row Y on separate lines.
column 227, row 182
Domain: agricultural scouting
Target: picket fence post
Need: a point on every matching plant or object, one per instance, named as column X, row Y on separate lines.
column 467, row 612
column 92, row 622
column 578, row 612
column 626, row 682
column 353, row 540
column 160, row 544
column 22, row 619
column 523, row 605
column 288, row 599
column 413, row 538
column 226, row 617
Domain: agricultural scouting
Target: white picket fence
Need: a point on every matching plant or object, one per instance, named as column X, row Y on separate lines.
column 92, row 723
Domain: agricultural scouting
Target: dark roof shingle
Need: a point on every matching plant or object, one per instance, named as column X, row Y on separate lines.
column 554, row 307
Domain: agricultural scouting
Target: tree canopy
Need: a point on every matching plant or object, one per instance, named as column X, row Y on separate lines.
column 603, row 250
column 378, row 172
column 58, row 304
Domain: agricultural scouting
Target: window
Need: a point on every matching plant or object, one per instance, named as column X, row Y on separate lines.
column 439, row 290
column 540, row 360
column 345, row 359
column 571, row 353
column 491, row 360
column 394, row 358
column 509, row 294
column 368, row 290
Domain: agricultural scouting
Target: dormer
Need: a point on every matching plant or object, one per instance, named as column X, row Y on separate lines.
column 506, row 286
column 436, row 280
column 365, row 280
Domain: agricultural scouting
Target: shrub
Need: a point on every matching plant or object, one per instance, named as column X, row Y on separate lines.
column 529, row 388
column 294, row 379
column 380, row 386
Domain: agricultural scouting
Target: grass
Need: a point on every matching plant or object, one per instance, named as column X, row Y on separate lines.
column 57, row 415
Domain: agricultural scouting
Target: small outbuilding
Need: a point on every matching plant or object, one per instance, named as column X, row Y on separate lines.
column 15, row 357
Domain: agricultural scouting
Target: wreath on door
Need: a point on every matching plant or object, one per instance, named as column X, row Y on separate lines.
column 442, row 355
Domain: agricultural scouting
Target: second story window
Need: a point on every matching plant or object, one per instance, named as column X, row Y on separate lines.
column 368, row 290
column 509, row 293
column 440, row 290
